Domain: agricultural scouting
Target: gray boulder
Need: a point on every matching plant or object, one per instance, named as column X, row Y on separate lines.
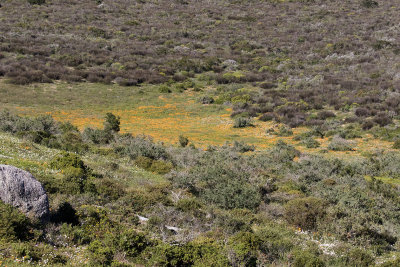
column 21, row 190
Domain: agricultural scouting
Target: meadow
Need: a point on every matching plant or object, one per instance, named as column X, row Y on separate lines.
column 164, row 117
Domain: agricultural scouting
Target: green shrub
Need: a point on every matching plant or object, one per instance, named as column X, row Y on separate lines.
column 157, row 166
column 72, row 141
column 188, row 204
column 369, row 3
column 283, row 152
column 310, row 143
column 232, row 223
column 339, row 144
column 396, row 144
column 359, row 257
column 97, row 136
column 183, row 141
column 112, row 123
column 132, row 242
column 164, row 89
column 161, row 167
column 74, row 234
column 75, row 174
column 221, row 181
column 66, row 160
column 140, row 146
column 269, row 116
column 243, row 122
column 391, row 263
column 95, row 222
column 242, row 147
column 285, row 131
column 305, row 212
column 110, row 189
column 206, row 100
column 244, row 246
column 13, row 224
column 36, row 2
column 28, row 251
column 306, row 258
column 143, row 162
column 167, row 255
column 74, row 180
column 142, row 199
column 101, row 255
column 197, row 253
column 275, row 241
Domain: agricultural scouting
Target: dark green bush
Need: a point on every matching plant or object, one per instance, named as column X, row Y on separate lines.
column 325, row 114
column 66, row 160
column 369, row 3
column 306, row 258
column 285, row 131
column 147, row 197
column 36, row 2
column 110, row 189
column 161, row 166
column 74, row 180
column 101, row 255
column 28, row 251
column 396, row 144
column 143, row 162
column 75, row 234
column 206, row 100
column 219, row 180
column 359, row 257
column 13, row 224
column 245, row 246
column 132, row 242
column 157, row 166
column 242, row 147
column 243, row 122
column 195, row 253
column 97, row 136
column 188, row 204
column 310, row 143
column 183, row 141
column 164, row 89
column 112, row 123
column 140, row 146
column 275, row 241
column 72, row 141
column 75, row 174
column 339, row 144
column 283, row 152
column 391, row 263
column 269, row 116
column 305, row 212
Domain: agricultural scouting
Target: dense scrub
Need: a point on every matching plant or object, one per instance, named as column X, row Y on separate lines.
column 228, row 207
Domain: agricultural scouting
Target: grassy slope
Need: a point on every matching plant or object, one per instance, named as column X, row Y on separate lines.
column 35, row 158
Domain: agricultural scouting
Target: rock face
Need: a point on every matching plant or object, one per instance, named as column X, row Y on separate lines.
column 21, row 190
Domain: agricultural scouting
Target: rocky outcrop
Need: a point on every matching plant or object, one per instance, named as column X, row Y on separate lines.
column 21, row 190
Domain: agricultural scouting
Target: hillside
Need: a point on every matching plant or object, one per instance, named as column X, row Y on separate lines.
column 203, row 133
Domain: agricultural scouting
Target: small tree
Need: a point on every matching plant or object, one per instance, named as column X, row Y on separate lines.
column 183, row 141
column 112, row 123
column 36, row 2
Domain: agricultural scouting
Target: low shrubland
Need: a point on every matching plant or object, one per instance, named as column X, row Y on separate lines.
column 221, row 206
